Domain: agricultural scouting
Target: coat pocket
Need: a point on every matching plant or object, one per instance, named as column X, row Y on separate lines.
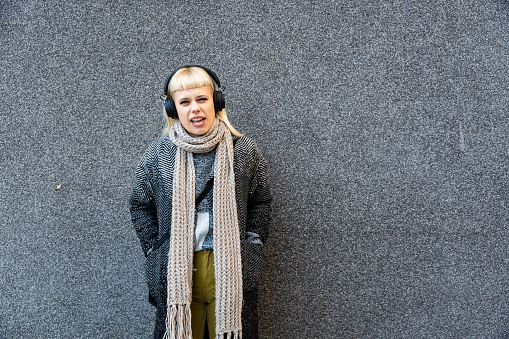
column 251, row 265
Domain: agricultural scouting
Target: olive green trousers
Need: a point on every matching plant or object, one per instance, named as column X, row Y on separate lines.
column 203, row 305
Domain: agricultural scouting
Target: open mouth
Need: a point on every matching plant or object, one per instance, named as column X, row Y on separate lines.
column 197, row 121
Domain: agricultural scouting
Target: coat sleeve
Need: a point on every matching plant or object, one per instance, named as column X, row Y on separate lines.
column 259, row 203
column 143, row 208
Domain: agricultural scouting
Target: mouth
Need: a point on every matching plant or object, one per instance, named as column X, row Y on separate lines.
column 197, row 121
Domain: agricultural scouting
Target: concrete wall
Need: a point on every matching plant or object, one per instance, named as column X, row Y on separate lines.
column 385, row 126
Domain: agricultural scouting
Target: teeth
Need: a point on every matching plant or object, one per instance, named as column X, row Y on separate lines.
column 196, row 119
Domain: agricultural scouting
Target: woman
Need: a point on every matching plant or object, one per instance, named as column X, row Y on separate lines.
column 203, row 244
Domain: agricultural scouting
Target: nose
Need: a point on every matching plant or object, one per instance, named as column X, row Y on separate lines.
column 194, row 106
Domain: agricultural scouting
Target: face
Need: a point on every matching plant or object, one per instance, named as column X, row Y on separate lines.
column 195, row 108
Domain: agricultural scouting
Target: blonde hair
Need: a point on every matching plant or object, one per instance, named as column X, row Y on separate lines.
column 193, row 77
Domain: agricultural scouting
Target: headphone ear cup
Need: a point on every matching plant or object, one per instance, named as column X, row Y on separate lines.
column 219, row 102
column 170, row 109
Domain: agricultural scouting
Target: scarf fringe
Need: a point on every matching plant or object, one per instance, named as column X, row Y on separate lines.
column 178, row 322
column 230, row 335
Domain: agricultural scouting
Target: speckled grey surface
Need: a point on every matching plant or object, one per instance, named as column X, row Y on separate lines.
column 386, row 131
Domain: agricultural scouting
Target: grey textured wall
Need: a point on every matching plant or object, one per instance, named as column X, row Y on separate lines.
column 385, row 125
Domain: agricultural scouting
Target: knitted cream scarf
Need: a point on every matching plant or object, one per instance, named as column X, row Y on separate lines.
column 227, row 259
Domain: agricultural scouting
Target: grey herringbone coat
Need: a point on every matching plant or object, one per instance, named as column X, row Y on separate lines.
column 151, row 209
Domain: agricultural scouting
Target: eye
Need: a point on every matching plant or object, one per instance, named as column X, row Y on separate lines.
column 184, row 102
column 202, row 99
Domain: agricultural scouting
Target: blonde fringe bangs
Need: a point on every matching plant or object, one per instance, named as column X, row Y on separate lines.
column 187, row 78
